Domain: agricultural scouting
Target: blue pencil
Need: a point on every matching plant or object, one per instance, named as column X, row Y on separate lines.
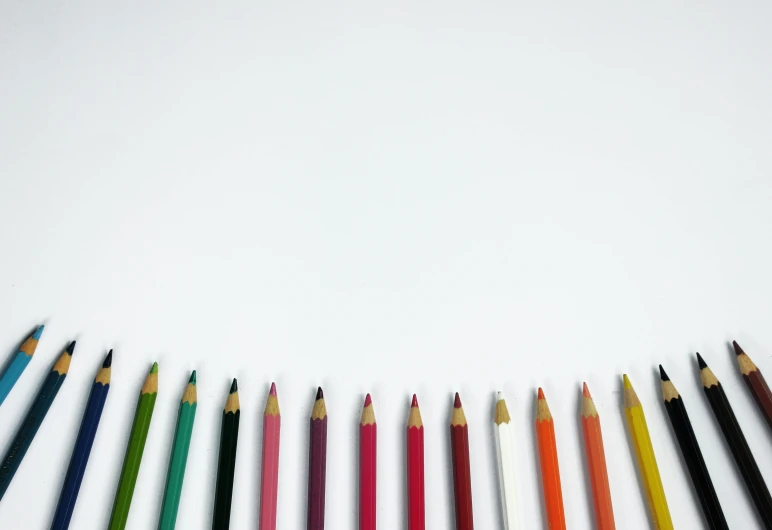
column 35, row 416
column 17, row 365
column 83, row 443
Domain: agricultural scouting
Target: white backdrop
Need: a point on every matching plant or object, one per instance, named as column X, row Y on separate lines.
column 391, row 199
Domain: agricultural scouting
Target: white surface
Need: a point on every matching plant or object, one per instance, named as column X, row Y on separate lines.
column 385, row 198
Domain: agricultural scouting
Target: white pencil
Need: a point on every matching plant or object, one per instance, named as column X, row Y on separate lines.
column 505, row 455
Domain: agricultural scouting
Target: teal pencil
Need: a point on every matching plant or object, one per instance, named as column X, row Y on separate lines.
column 179, row 457
column 18, row 363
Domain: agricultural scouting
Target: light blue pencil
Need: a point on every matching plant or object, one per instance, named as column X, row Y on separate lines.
column 14, row 369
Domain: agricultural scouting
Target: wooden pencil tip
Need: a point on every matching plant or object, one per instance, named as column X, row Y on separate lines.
column 586, row 391
column 154, row 369
column 319, row 394
column 38, row 332
column 368, row 400
column 273, row 390
column 108, row 360
column 737, row 350
column 540, row 394
column 662, row 374
column 457, row 402
column 70, row 349
column 192, row 379
column 234, row 386
column 701, row 362
column 415, row 401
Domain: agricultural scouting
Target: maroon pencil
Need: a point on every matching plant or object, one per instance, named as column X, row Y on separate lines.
column 317, row 463
column 756, row 382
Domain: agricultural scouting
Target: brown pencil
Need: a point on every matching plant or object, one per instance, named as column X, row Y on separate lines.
column 755, row 382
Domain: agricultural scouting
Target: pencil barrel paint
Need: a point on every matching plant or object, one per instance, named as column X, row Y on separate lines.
column 317, row 473
column 416, row 518
column 269, row 486
column 504, row 435
column 225, row 470
column 550, row 471
column 80, row 456
column 368, row 436
column 596, row 464
column 462, row 477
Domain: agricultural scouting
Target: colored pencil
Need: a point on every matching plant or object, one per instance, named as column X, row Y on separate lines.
column 504, row 433
column 18, row 363
column 226, row 465
column 647, row 462
column 596, row 463
column 690, row 449
column 35, row 416
column 416, row 500
column 368, row 459
column 735, row 439
column 755, row 382
column 134, row 450
column 179, row 456
column 317, row 463
column 269, row 489
column 83, row 444
column 550, row 470
column 462, row 473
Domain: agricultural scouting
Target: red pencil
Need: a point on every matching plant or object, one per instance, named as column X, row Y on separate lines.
column 270, row 481
column 416, row 511
column 368, row 443
column 462, row 474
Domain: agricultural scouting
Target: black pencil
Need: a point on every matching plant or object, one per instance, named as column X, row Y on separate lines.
column 690, row 449
column 737, row 443
column 226, row 466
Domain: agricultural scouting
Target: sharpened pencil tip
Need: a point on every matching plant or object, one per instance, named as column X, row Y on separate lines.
column 273, row 390
column 626, row 381
column 368, row 400
column 540, row 394
column 415, row 401
column 737, row 350
column 319, row 394
column 499, row 396
column 457, row 402
column 71, row 348
column 662, row 374
column 108, row 360
column 234, row 386
column 154, row 369
column 701, row 362
column 586, row 391
column 192, row 379
column 38, row 332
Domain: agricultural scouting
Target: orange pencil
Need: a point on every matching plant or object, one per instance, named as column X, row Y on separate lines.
column 596, row 463
column 550, row 471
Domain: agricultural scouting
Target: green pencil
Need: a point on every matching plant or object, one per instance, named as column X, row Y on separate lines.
column 134, row 451
column 179, row 456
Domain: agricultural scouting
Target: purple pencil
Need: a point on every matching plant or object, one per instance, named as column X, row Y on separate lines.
column 317, row 463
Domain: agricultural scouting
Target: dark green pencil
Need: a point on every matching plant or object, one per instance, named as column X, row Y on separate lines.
column 226, row 465
column 35, row 416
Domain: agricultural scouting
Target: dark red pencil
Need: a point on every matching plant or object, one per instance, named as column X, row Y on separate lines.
column 755, row 382
column 416, row 511
column 317, row 464
column 368, row 440
column 462, row 474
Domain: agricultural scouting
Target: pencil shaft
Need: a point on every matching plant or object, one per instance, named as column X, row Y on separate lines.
column 598, row 473
column 270, row 477
column 416, row 511
column 504, row 435
column 18, row 364
column 761, row 394
column 80, row 456
column 226, row 467
column 177, row 464
column 462, row 476
column 29, row 429
column 368, row 439
column 695, row 463
column 550, row 473
column 317, row 473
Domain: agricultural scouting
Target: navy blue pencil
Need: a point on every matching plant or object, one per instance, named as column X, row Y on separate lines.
column 35, row 416
column 83, row 443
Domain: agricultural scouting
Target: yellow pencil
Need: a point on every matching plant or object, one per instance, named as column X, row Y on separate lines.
column 647, row 462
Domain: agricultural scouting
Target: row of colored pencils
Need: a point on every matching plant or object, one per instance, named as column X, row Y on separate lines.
column 504, row 434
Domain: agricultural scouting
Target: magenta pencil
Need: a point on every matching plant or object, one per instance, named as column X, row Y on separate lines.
column 270, row 480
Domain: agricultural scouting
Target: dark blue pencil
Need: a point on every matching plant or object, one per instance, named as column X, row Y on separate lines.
column 83, row 443
column 35, row 416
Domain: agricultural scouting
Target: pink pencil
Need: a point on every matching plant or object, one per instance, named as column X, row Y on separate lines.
column 270, row 482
